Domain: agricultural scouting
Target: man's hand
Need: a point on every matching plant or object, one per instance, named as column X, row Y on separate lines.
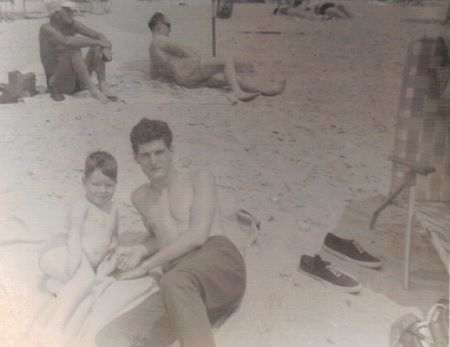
column 136, row 273
column 106, row 267
column 105, row 44
column 130, row 257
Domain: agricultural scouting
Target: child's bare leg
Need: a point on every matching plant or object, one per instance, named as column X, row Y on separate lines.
column 72, row 294
column 53, row 264
column 213, row 66
column 344, row 11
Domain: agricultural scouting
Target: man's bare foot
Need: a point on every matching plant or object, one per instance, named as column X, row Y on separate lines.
column 274, row 89
column 105, row 90
column 243, row 96
column 96, row 93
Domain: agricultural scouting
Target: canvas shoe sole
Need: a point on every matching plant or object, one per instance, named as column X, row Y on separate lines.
column 324, row 272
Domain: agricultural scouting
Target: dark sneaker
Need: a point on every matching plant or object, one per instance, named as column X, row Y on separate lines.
column 351, row 251
column 324, row 271
column 55, row 95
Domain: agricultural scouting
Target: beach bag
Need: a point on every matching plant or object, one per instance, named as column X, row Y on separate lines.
column 411, row 331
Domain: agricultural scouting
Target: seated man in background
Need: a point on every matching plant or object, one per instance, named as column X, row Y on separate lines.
column 60, row 49
column 175, row 62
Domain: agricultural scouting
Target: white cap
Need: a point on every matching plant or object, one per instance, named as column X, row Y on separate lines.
column 56, row 6
column 53, row 7
column 70, row 5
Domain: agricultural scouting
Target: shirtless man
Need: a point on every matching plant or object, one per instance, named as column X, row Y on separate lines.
column 60, row 49
column 172, row 61
column 204, row 274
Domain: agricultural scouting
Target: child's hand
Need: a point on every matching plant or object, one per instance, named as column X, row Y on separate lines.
column 130, row 257
column 72, row 266
column 107, row 267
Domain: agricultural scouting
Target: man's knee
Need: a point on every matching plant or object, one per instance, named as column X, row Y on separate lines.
column 71, row 53
column 175, row 281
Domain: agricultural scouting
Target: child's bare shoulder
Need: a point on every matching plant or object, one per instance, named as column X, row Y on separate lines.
column 80, row 203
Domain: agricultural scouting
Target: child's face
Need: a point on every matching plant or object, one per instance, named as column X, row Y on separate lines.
column 99, row 188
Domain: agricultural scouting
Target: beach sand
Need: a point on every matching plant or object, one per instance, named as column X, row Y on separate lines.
column 310, row 161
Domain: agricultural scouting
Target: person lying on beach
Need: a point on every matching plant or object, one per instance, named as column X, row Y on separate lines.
column 172, row 61
column 289, row 3
column 316, row 11
column 60, row 43
column 203, row 272
column 72, row 261
column 330, row 10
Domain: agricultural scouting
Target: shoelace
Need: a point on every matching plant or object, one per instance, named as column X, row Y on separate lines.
column 358, row 247
column 334, row 271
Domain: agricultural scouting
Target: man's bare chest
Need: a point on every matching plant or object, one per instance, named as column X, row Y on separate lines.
column 170, row 208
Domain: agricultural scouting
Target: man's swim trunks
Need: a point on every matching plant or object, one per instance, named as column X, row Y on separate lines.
column 78, row 84
column 188, row 72
column 325, row 6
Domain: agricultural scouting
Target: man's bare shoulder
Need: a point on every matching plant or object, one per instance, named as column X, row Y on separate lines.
column 140, row 195
column 161, row 38
column 202, row 177
column 47, row 29
column 161, row 42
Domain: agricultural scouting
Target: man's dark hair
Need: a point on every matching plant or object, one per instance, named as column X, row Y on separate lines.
column 148, row 130
column 157, row 18
column 103, row 161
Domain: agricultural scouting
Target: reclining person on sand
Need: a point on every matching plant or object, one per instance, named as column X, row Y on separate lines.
column 60, row 48
column 175, row 62
column 315, row 11
column 329, row 10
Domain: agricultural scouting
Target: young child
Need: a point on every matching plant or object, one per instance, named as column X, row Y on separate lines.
column 72, row 261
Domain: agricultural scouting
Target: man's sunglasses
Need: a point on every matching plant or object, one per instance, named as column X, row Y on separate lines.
column 168, row 24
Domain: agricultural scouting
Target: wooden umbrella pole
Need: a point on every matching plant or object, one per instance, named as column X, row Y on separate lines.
column 412, row 198
column 213, row 29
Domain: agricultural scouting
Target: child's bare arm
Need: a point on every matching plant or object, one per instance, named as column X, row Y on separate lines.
column 77, row 216
column 114, row 239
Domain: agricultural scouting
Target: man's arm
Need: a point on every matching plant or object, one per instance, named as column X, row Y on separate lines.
column 201, row 217
column 129, row 257
column 50, row 34
column 95, row 35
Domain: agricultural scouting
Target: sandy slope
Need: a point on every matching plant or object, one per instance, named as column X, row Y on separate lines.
column 310, row 161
